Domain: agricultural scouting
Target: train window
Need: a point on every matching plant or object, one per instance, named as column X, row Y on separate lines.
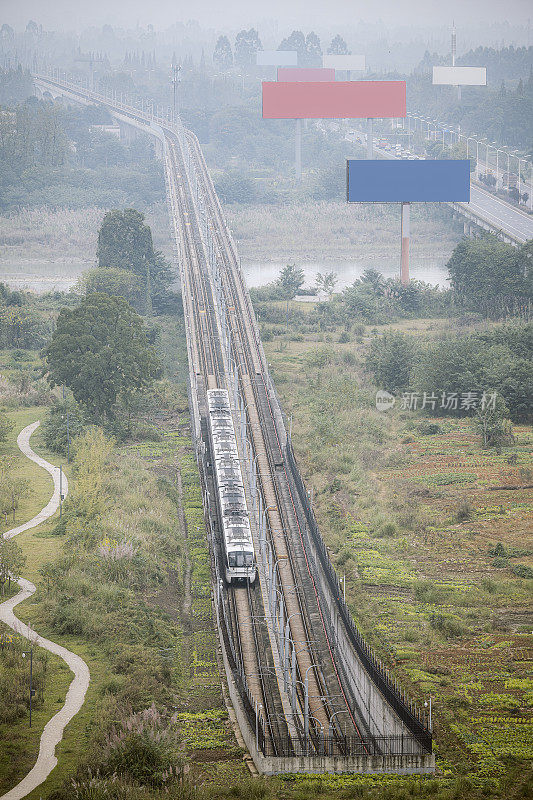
column 241, row 559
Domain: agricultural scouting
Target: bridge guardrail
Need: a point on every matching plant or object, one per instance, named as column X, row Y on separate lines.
column 363, row 650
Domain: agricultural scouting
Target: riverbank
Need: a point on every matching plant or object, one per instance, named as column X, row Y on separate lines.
column 337, row 232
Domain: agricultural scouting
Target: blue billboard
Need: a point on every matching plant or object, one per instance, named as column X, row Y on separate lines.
column 403, row 181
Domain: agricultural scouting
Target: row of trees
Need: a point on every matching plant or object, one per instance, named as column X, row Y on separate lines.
column 490, row 276
column 247, row 43
column 15, row 85
column 31, row 134
column 487, row 277
column 101, row 349
column 51, row 155
column 497, row 361
column 501, row 112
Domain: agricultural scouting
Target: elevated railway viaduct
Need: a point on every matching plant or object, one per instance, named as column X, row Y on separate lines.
column 308, row 692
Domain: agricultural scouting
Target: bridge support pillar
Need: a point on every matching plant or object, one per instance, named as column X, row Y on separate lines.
column 406, row 224
column 159, row 150
column 127, row 132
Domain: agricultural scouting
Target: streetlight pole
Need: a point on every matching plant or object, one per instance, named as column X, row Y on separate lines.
column 176, row 78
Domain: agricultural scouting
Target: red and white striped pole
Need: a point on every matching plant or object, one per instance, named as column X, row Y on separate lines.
column 404, row 268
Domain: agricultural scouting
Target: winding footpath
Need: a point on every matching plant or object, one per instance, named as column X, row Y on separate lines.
column 53, row 732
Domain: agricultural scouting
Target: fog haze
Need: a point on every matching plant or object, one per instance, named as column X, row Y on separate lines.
column 63, row 14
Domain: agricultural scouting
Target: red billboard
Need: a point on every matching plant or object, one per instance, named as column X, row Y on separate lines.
column 333, row 100
column 291, row 74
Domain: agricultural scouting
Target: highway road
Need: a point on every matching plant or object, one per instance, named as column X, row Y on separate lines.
column 500, row 214
column 495, row 212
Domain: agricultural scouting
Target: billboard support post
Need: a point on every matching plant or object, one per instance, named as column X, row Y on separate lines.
column 370, row 138
column 404, row 266
column 298, row 150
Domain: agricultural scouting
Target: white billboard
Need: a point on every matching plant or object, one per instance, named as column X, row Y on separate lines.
column 277, row 58
column 348, row 63
column 460, row 76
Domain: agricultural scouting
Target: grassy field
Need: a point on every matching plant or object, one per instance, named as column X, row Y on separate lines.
column 430, row 531
column 21, row 743
column 152, row 497
column 326, row 232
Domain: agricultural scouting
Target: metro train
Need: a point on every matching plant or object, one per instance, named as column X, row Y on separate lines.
column 239, row 556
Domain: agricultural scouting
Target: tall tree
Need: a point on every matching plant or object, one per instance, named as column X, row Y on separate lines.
column 313, row 50
column 32, row 28
column 391, row 360
column 222, row 55
column 290, row 280
column 247, row 43
column 7, row 33
column 125, row 242
column 326, row 282
column 11, row 561
column 484, row 269
column 5, row 427
column 100, row 351
column 338, row 46
column 12, row 488
column 296, row 41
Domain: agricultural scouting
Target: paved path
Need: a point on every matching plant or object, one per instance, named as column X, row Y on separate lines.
column 53, row 732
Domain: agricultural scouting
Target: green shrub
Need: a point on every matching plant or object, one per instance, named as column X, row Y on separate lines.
column 426, row 591
column 429, row 428
column 465, row 511
column 500, row 562
column 522, row 571
column 450, row 627
column 387, row 530
column 489, row 585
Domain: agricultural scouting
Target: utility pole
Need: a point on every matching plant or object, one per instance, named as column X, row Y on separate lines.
column 454, row 53
column 60, row 490
column 176, row 80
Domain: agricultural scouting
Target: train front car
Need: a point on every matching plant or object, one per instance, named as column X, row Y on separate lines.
column 239, row 553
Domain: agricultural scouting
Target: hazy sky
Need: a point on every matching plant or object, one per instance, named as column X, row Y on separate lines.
column 69, row 14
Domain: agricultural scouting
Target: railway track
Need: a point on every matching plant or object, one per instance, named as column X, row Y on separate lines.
column 332, row 668
column 315, row 656
column 244, row 601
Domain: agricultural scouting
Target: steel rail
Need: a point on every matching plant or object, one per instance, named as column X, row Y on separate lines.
column 248, row 646
column 238, row 320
